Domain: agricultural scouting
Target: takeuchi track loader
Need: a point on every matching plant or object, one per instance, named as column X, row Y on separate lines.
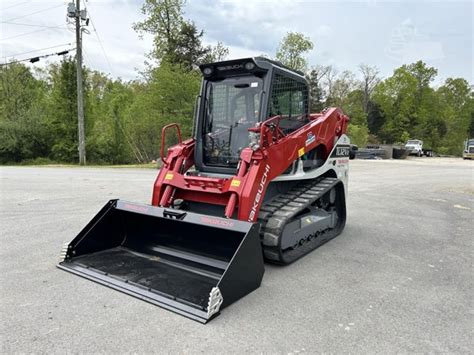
column 261, row 178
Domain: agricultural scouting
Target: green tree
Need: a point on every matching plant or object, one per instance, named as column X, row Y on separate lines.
column 359, row 135
column 218, row 53
column 402, row 107
column 375, row 118
column 344, row 84
column 353, row 105
column 370, row 79
column 164, row 19
column 456, row 108
column 411, row 108
column 176, row 40
column 168, row 96
column 62, row 111
column 107, row 104
column 292, row 49
column 22, row 114
column 315, row 79
column 187, row 46
column 424, row 75
column 346, row 92
column 471, row 125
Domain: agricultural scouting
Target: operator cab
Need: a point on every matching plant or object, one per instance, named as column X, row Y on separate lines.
column 234, row 97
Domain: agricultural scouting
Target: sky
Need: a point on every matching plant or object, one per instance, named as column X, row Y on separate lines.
column 345, row 34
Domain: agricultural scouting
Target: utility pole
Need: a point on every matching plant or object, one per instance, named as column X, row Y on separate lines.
column 80, row 98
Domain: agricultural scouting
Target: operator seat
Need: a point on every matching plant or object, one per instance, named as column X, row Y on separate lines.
column 240, row 137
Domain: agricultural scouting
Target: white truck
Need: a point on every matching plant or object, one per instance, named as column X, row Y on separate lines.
column 415, row 147
column 468, row 152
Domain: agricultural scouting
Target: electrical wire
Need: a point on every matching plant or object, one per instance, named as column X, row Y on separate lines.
column 37, row 50
column 133, row 146
column 36, row 12
column 37, row 58
column 30, row 25
column 98, row 39
column 28, row 33
column 87, row 60
column 9, row 7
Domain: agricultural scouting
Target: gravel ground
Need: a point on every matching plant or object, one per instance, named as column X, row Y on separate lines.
column 399, row 278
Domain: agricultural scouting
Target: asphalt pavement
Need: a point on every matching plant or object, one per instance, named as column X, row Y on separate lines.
column 398, row 279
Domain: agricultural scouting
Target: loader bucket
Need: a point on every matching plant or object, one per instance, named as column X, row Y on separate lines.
column 189, row 263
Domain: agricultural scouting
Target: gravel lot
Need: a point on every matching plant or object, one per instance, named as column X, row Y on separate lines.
column 399, row 278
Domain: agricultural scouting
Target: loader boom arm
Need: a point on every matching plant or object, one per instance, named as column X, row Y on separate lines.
column 257, row 167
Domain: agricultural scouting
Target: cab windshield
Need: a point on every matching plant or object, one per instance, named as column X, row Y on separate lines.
column 231, row 107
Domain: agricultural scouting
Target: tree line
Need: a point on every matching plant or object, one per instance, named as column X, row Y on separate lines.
column 390, row 110
column 38, row 108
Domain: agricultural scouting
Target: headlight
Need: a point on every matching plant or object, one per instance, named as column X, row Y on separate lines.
column 249, row 66
column 207, row 71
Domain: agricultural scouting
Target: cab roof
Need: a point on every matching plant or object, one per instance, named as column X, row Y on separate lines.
column 234, row 67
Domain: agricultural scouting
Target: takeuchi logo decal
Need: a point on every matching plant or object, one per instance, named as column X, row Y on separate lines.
column 217, row 222
column 230, row 67
column 259, row 195
column 141, row 209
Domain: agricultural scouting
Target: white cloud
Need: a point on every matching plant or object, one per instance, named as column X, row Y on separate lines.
column 324, row 31
column 409, row 44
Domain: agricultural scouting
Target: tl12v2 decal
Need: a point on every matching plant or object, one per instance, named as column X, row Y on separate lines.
column 341, row 150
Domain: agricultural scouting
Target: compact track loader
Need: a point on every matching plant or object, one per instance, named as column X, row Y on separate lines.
column 261, row 178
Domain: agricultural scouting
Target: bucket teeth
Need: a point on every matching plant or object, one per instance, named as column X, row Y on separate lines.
column 215, row 301
column 63, row 254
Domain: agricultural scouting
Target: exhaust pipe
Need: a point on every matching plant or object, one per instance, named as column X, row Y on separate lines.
column 189, row 263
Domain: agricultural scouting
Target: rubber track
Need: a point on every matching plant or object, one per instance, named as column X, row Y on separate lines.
column 275, row 214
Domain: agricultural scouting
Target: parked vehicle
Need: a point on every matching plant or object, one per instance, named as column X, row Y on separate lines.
column 468, row 152
column 415, row 147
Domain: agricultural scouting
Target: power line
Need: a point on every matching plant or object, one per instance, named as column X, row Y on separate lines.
column 36, row 12
column 136, row 151
column 28, row 33
column 99, row 40
column 87, row 59
column 30, row 25
column 9, row 7
column 37, row 50
column 37, row 58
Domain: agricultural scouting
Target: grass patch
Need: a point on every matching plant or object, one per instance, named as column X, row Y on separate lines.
column 36, row 161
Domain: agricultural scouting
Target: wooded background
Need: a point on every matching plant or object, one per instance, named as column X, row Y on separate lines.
column 38, row 107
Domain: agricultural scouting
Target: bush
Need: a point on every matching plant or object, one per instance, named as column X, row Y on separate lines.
column 358, row 134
